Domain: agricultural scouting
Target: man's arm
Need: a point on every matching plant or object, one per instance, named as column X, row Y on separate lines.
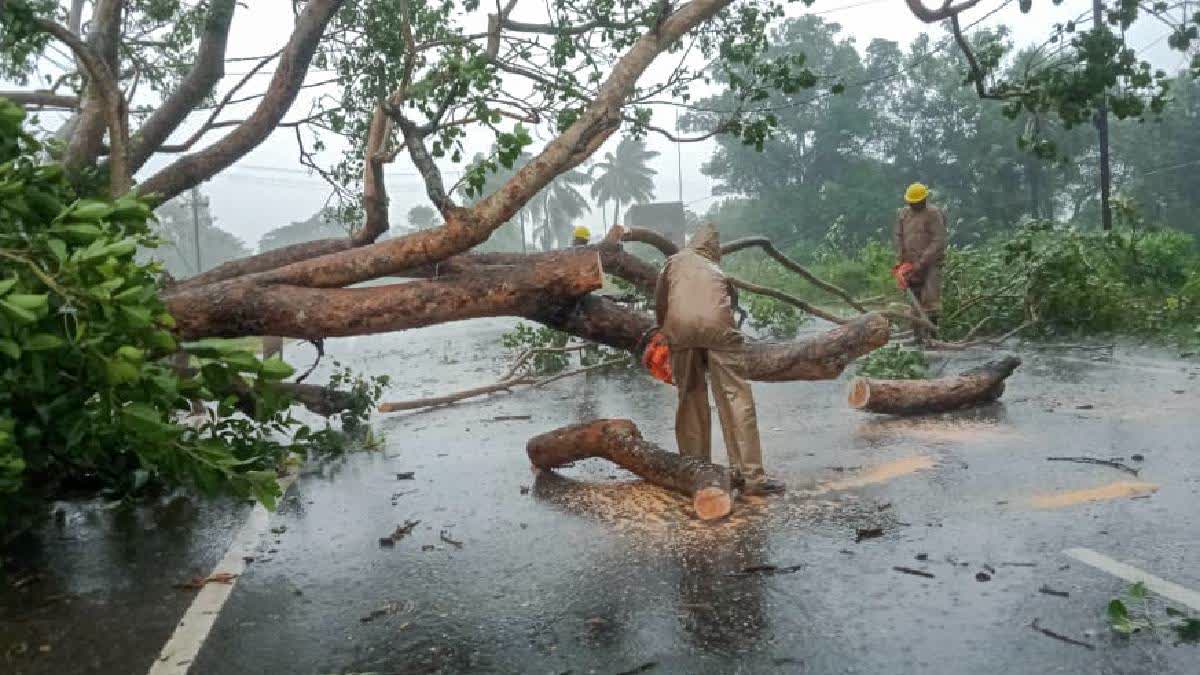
column 897, row 229
column 936, row 250
column 661, row 292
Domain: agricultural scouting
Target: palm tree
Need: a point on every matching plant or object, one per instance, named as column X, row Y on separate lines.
column 511, row 235
column 559, row 204
column 624, row 176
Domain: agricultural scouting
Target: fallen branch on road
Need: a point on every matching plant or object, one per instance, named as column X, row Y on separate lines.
column 913, row 397
column 1121, row 466
column 619, row 441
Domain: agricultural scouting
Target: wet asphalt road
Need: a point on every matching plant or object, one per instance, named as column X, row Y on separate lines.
column 592, row 571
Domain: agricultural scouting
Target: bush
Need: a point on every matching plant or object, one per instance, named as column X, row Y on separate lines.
column 773, row 318
column 893, row 362
column 87, row 391
column 1072, row 282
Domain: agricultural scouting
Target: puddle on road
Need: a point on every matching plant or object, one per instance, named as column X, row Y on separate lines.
column 1118, row 490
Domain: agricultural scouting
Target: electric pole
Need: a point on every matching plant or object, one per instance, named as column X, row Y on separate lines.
column 1102, row 129
column 195, row 194
column 679, row 160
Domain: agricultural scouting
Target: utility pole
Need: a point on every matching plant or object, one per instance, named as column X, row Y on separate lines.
column 1102, row 129
column 195, row 194
column 679, row 159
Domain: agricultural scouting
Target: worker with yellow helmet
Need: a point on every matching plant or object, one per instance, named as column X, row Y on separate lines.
column 582, row 236
column 920, row 242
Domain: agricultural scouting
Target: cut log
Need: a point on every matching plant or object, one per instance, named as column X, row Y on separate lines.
column 620, row 442
column 914, row 397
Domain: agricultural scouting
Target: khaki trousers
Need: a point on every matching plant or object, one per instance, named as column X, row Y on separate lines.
column 735, row 407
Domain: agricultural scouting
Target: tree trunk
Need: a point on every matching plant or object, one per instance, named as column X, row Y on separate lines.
column 914, row 397
column 620, row 442
column 821, row 357
column 243, row 307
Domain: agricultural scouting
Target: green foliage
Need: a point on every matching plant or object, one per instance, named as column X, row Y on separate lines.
column 776, row 319
column 525, row 337
column 893, row 362
column 1132, row 613
column 1073, row 282
column 363, row 395
column 86, row 385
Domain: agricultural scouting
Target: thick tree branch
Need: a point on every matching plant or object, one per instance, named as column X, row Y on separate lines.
column 191, row 170
column 242, row 307
column 208, row 69
column 766, row 245
column 947, row 10
column 103, row 104
column 41, row 98
column 375, row 199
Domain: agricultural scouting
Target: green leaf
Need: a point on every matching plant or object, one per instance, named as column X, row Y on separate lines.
column 59, row 248
column 43, row 341
column 139, row 315
column 1138, row 591
column 276, row 368
column 10, row 348
column 89, row 210
column 242, row 361
column 33, row 302
column 7, row 284
column 1188, row 631
column 121, row 248
column 19, row 314
column 81, row 231
column 121, row 372
column 144, row 417
column 1117, row 612
column 131, row 354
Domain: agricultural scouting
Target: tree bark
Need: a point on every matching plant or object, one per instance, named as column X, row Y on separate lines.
column 207, row 71
column 242, row 307
column 914, row 397
column 620, row 442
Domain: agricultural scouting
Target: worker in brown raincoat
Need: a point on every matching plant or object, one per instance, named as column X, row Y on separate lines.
column 920, row 241
column 693, row 303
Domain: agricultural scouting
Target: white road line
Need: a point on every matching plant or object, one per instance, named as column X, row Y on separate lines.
column 1167, row 589
column 180, row 651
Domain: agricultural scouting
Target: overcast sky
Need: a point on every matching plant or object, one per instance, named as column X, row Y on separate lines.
column 268, row 188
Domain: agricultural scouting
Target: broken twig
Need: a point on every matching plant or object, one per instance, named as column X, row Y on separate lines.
column 1059, row 636
column 919, row 573
column 765, row 569
column 1095, row 460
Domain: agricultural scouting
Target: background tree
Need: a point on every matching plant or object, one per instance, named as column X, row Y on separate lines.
column 560, row 205
column 177, row 253
column 421, row 217
column 323, row 224
column 624, row 176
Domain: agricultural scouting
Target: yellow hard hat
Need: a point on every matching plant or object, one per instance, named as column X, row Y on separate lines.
column 582, row 232
column 917, row 192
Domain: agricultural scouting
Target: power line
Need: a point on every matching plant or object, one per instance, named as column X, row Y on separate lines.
column 1170, row 168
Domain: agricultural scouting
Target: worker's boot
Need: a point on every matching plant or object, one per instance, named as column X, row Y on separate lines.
column 757, row 484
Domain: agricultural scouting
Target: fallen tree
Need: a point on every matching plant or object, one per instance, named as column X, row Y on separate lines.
column 619, row 441
column 914, row 397
column 411, row 81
